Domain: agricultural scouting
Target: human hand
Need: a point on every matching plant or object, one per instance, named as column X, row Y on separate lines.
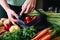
column 28, row 6
column 11, row 14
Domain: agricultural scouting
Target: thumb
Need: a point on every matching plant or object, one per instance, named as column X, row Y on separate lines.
column 15, row 15
column 23, row 10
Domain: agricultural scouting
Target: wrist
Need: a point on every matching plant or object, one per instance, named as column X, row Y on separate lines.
column 7, row 9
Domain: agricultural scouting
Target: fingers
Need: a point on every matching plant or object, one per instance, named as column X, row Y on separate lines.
column 13, row 23
column 3, row 19
column 7, row 21
column 11, row 15
column 12, row 20
column 28, row 6
column 23, row 9
column 15, row 15
column 31, row 8
column 27, row 10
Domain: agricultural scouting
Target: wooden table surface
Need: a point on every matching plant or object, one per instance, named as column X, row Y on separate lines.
column 56, row 38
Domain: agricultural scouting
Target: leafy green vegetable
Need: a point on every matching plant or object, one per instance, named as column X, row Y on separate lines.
column 23, row 34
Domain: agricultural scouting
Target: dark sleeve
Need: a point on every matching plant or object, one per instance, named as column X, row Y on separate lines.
column 3, row 14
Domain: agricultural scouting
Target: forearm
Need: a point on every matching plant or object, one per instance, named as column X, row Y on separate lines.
column 4, row 4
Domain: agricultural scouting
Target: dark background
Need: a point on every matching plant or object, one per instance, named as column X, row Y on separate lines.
column 51, row 3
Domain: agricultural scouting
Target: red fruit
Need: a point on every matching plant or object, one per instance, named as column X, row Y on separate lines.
column 27, row 19
column 34, row 17
column 7, row 26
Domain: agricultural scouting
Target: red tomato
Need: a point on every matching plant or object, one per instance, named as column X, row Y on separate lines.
column 34, row 17
column 7, row 26
column 27, row 19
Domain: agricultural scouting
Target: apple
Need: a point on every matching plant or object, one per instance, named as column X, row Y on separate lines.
column 13, row 28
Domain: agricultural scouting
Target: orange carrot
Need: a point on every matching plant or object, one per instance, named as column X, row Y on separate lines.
column 43, row 32
column 48, row 33
column 46, row 37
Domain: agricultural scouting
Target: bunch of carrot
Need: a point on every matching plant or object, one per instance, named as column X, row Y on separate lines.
column 43, row 35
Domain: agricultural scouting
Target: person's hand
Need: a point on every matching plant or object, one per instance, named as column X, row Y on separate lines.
column 28, row 6
column 11, row 14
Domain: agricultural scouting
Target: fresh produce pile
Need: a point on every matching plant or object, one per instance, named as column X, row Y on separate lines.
column 21, row 34
column 7, row 25
column 52, row 18
column 14, row 32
